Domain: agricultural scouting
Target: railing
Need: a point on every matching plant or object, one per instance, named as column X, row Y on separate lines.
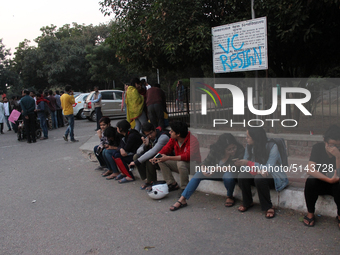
column 324, row 106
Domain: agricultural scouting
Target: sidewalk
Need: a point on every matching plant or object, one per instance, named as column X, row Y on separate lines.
column 291, row 197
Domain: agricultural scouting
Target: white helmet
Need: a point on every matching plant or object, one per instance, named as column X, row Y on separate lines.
column 159, row 191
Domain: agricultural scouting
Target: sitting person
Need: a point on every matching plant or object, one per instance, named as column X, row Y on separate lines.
column 323, row 181
column 186, row 149
column 104, row 122
column 113, row 142
column 222, row 153
column 127, row 148
column 260, row 161
column 153, row 142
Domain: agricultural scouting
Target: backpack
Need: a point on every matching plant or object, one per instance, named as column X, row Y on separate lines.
column 281, row 145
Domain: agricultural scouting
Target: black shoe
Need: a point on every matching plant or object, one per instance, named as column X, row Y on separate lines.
column 28, row 141
column 34, row 141
column 65, row 138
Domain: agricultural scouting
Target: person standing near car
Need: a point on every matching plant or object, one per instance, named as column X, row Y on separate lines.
column 67, row 101
column 97, row 103
column 60, row 117
column 27, row 104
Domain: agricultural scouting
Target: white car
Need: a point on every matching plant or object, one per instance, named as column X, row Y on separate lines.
column 78, row 106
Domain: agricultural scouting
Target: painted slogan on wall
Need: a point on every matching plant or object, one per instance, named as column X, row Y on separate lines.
column 240, row 46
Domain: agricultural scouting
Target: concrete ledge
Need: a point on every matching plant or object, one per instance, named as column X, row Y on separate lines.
column 291, row 197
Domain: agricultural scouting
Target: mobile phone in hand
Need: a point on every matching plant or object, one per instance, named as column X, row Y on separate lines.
column 158, row 155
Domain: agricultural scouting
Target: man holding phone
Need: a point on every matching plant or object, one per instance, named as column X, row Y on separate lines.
column 186, row 149
column 67, row 100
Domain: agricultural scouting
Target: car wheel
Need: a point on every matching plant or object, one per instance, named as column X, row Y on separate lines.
column 93, row 116
column 81, row 115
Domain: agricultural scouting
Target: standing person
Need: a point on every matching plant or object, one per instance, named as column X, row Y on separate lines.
column 53, row 109
column 180, row 96
column 264, row 170
column 2, row 117
column 155, row 101
column 325, row 182
column 97, row 102
column 60, row 117
column 123, row 105
column 67, row 100
column 41, row 109
column 27, row 104
column 8, row 111
column 135, row 114
column 15, row 106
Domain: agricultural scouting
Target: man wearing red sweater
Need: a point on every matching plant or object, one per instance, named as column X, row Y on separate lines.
column 186, row 149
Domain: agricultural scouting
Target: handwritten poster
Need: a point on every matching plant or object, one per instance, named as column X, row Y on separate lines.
column 240, row 46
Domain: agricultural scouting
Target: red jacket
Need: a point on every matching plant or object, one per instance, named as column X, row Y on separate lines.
column 189, row 151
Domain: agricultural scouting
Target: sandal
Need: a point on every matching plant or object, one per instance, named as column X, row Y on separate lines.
column 229, row 204
column 111, row 177
column 173, row 187
column 119, row 176
column 124, row 180
column 174, row 208
column 145, row 185
column 243, row 208
column 107, row 173
column 311, row 221
column 270, row 213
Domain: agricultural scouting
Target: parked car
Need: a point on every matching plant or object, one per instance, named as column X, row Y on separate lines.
column 78, row 106
column 111, row 104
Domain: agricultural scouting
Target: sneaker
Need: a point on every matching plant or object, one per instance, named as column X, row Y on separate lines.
column 74, row 141
column 65, row 138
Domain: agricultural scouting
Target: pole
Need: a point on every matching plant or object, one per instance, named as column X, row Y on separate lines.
column 158, row 76
column 256, row 73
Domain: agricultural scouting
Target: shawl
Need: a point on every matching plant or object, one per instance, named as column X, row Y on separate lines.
column 134, row 105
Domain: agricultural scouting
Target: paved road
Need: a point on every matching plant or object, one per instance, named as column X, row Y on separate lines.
column 79, row 212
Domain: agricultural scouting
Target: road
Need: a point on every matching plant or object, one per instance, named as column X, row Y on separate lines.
column 53, row 202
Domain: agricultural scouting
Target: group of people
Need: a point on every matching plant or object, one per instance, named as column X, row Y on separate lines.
column 42, row 105
column 259, row 164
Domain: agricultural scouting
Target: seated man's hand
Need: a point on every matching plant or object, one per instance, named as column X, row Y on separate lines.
column 241, row 162
column 123, row 152
column 162, row 159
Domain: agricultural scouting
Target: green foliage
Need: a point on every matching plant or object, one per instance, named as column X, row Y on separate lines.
column 175, row 35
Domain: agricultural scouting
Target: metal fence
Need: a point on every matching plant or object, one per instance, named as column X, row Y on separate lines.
column 323, row 105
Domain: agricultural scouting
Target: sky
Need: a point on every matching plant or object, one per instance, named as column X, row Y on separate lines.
column 22, row 19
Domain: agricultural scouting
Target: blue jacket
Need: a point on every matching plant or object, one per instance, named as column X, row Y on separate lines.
column 273, row 166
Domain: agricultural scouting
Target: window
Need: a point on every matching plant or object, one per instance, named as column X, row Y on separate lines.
column 107, row 95
column 118, row 95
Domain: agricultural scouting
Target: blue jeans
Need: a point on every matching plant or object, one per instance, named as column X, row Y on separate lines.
column 7, row 122
column 43, row 124
column 70, row 128
column 229, row 180
column 109, row 161
column 54, row 119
